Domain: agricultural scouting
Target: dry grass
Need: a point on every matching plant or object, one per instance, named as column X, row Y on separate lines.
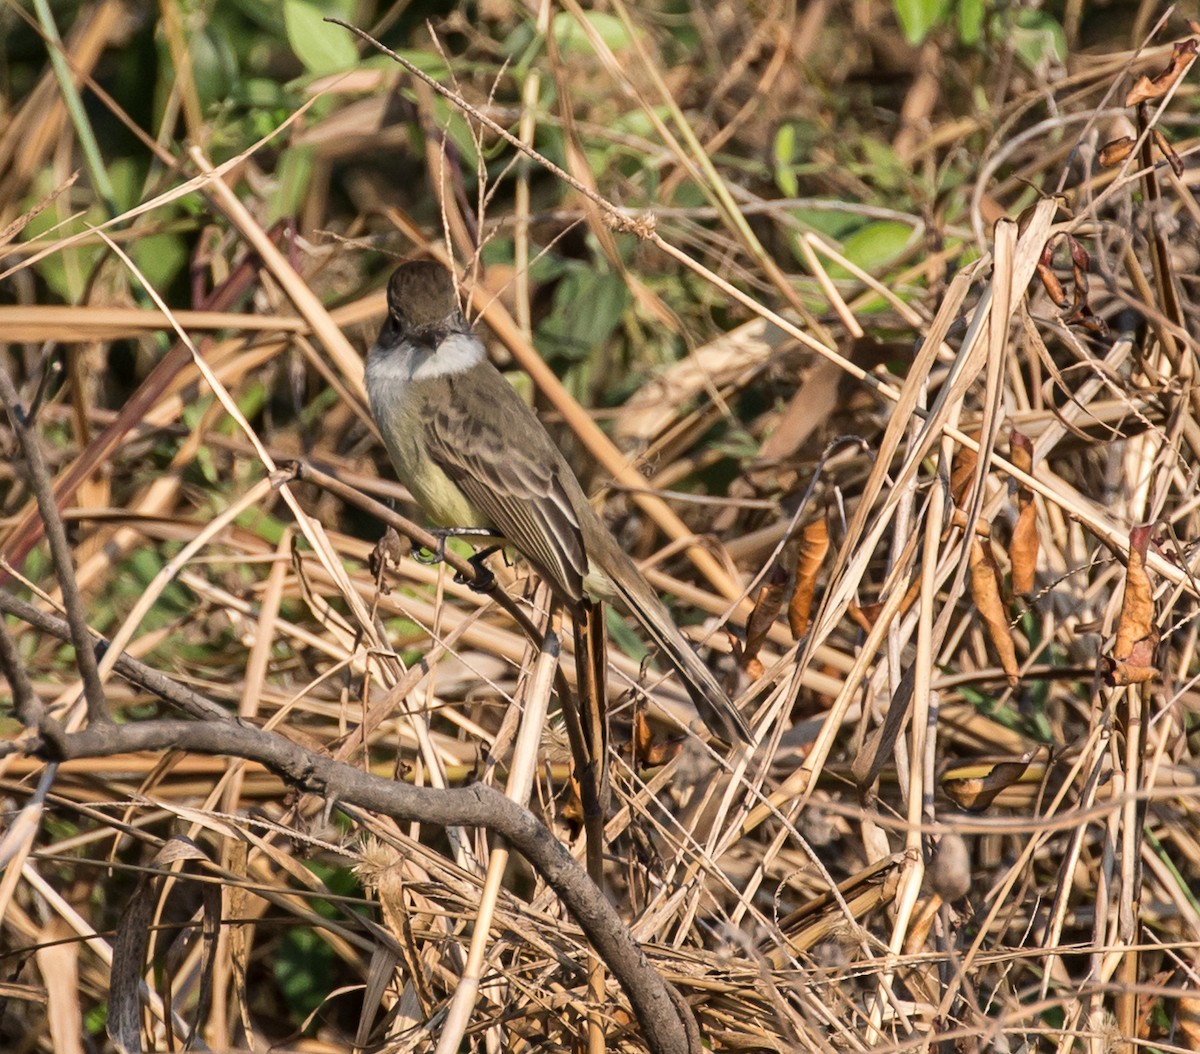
column 828, row 889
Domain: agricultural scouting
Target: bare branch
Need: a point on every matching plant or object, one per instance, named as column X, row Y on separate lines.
column 60, row 551
column 660, row 1014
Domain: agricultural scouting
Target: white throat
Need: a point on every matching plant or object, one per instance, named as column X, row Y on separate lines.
column 409, row 361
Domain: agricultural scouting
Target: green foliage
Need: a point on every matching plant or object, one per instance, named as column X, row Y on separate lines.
column 303, row 970
column 571, row 39
column 918, row 17
column 874, row 245
column 1036, row 36
column 588, row 306
column 322, row 47
column 304, row 967
column 1038, row 39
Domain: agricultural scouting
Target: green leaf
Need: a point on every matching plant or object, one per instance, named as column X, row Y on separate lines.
column 783, row 150
column 918, row 17
column 874, row 246
column 159, row 257
column 588, row 305
column 320, row 46
column 303, row 965
column 970, row 21
column 571, row 38
column 1038, row 39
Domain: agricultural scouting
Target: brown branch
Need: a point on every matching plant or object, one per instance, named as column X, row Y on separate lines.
column 26, row 704
column 660, row 1014
column 170, row 691
column 60, row 551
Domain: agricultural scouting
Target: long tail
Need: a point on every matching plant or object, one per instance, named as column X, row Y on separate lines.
column 591, row 665
column 713, row 705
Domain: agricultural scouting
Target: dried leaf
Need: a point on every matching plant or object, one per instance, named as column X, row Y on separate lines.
column 1116, row 151
column 814, row 545
column 962, row 472
column 976, row 793
column 1168, row 151
column 1023, row 549
column 1145, row 89
column 133, row 940
column 1050, row 282
column 649, row 752
column 1132, row 658
column 767, row 606
column 986, row 592
column 1054, row 288
column 864, row 616
column 1079, row 257
column 572, row 807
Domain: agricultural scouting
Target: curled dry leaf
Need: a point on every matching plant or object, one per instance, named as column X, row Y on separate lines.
column 767, row 606
column 976, row 793
column 959, row 518
column 649, row 752
column 1050, row 282
column 814, row 545
column 1145, row 89
column 1079, row 258
column 1168, row 151
column 962, row 471
column 986, row 592
column 864, row 615
column 572, row 807
column 1132, row 658
column 1023, row 550
column 1115, row 151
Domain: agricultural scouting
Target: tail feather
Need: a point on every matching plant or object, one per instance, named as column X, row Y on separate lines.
column 712, row 703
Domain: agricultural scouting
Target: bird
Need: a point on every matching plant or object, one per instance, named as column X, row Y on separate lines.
column 474, row 455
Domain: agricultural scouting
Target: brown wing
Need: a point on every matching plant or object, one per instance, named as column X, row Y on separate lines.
column 480, row 433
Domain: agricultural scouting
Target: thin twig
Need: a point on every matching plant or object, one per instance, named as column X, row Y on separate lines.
column 60, row 550
column 26, row 704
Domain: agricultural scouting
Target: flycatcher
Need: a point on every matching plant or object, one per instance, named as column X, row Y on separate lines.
column 474, row 455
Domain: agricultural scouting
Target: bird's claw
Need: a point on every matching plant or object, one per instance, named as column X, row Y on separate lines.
column 484, row 581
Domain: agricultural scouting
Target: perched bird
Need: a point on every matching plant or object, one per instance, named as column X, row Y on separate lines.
column 474, row 455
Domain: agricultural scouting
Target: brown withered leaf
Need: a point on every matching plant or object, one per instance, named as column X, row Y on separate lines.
column 960, row 519
column 1131, row 660
column 572, row 807
column 976, row 793
column 1116, row 151
column 767, row 606
column 864, row 616
column 1021, row 452
column 1023, row 549
column 1168, row 151
column 814, row 545
column 1079, row 257
column 1045, row 270
column 1145, row 89
column 649, row 752
column 1137, row 667
column 988, row 597
column 962, row 472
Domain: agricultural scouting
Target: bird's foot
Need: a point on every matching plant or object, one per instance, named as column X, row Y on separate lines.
column 437, row 555
column 484, row 581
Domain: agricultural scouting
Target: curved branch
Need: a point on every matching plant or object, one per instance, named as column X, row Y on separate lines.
column 659, row 1013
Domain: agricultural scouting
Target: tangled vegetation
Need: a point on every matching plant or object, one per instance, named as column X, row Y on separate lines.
column 871, row 327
